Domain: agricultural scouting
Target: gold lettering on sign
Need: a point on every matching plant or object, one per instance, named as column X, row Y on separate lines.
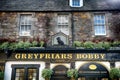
column 90, row 56
column 102, row 56
column 17, row 56
column 70, row 56
column 47, row 56
column 36, row 56
column 58, row 56
column 96, row 56
column 24, row 56
column 41, row 56
column 30, row 56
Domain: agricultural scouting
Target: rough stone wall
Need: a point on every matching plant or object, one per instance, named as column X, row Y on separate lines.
column 8, row 24
column 82, row 25
column 43, row 25
column 114, row 25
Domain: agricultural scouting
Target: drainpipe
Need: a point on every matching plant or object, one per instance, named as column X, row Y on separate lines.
column 72, row 27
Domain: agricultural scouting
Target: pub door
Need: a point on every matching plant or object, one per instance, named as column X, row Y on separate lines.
column 60, row 73
column 59, row 77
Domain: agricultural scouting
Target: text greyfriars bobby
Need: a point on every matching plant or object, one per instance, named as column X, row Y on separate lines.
column 58, row 56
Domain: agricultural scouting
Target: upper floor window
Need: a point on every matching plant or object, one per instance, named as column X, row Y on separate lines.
column 63, row 24
column 99, row 24
column 76, row 3
column 25, row 24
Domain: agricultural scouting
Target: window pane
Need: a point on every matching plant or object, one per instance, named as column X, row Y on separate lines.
column 99, row 24
column 99, row 30
column 20, row 74
column 22, row 28
column 17, row 78
column 75, row 2
column 25, row 24
column 63, row 24
column 62, row 20
column 32, row 74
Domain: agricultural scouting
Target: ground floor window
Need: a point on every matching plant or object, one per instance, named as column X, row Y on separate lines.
column 82, row 78
column 25, row 72
column 19, row 74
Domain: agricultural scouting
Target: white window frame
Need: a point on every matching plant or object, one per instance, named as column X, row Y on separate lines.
column 63, row 21
column 71, row 3
column 27, row 23
column 1, row 32
column 99, row 24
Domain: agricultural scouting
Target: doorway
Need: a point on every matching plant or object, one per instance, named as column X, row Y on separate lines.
column 60, row 73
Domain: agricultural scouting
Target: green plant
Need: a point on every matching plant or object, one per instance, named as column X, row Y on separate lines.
column 46, row 73
column 41, row 43
column 1, row 75
column 106, row 45
column 20, row 44
column 116, row 43
column 114, row 73
column 12, row 46
column 77, row 44
column 27, row 44
column 98, row 45
column 89, row 45
column 4, row 45
column 34, row 43
column 72, row 73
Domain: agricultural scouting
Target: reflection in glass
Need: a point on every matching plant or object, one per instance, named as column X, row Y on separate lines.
column 32, row 74
column 20, row 74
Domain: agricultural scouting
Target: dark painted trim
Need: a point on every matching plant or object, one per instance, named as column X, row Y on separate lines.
column 65, row 50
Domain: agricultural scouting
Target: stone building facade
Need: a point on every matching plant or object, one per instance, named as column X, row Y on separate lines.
column 44, row 25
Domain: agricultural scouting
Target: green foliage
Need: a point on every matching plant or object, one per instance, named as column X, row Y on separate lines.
column 34, row 43
column 89, row 45
column 106, row 45
column 46, row 73
column 92, row 45
column 41, row 43
column 4, row 45
column 72, row 73
column 116, row 43
column 114, row 73
column 77, row 44
column 20, row 44
column 99, row 45
column 12, row 46
column 27, row 44
column 1, row 75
